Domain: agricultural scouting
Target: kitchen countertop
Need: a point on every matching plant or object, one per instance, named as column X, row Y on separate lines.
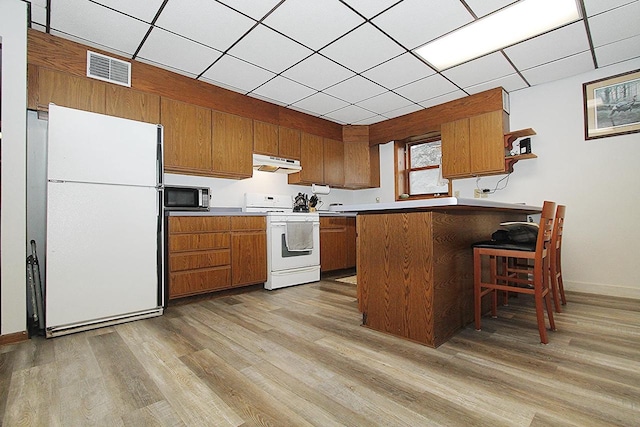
column 442, row 202
column 215, row 212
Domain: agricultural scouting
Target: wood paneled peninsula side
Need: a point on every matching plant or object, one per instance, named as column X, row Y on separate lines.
column 415, row 266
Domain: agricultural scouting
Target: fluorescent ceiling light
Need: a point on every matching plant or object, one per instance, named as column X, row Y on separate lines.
column 508, row 26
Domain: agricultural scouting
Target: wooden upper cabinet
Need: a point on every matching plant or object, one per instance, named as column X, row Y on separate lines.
column 265, row 138
column 70, row 91
column 311, row 160
column 289, row 143
column 333, row 156
column 486, row 148
column 455, row 148
column 132, row 104
column 232, row 145
column 357, row 165
column 473, row 146
column 187, row 137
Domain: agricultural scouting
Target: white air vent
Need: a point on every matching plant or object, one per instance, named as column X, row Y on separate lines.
column 111, row 70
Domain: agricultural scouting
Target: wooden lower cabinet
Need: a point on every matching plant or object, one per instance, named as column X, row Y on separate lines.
column 337, row 243
column 211, row 253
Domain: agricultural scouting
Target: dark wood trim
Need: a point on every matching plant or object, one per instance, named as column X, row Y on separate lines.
column 429, row 120
column 13, row 338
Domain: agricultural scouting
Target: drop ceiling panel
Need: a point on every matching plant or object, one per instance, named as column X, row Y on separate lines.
column 385, row 102
column 617, row 24
column 554, row 45
column 256, row 9
column 320, row 103
column 510, row 83
column 363, row 48
column 185, row 56
column 402, row 111
column 318, row 72
column 330, row 20
column 483, row 69
column 399, row 71
column 145, row 10
column 414, row 22
column 204, row 21
column 285, row 90
column 370, row 8
column 427, row 88
column 594, row 7
column 441, row 99
column 355, row 89
column 233, row 73
column 350, row 114
column 619, row 51
column 556, row 70
column 100, row 25
column 485, row 7
column 268, row 49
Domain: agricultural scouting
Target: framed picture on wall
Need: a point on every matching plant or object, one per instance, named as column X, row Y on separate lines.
column 612, row 105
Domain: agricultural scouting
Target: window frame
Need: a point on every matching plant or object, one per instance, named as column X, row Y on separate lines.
column 402, row 167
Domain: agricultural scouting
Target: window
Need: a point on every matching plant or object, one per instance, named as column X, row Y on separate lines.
column 419, row 162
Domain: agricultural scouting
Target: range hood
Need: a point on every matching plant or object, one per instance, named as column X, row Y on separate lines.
column 265, row 163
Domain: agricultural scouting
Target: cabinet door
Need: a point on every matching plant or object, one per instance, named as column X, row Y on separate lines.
column 232, row 145
column 132, row 104
column 70, row 91
column 333, row 254
column 486, row 148
column 455, row 149
column 248, row 258
column 357, row 167
column 311, row 160
column 333, row 156
column 289, row 143
column 265, row 138
column 187, row 137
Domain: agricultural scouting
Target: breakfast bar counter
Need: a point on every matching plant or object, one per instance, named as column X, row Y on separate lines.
column 415, row 264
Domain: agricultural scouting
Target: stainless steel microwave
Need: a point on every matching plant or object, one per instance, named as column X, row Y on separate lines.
column 180, row 198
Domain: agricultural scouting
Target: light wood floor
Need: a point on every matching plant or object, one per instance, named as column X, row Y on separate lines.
column 297, row 357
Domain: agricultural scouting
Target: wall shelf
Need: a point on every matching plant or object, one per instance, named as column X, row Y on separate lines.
column 509, row 139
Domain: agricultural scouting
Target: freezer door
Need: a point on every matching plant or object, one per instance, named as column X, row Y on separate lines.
column 102, row 252
column 90, row 147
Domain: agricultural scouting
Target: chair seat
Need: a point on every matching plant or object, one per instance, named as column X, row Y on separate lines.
column 504, row 245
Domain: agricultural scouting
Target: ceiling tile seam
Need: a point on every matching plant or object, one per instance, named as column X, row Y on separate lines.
column 583, row 12
column 247, row 16
column 226, row 52
column 504, row 54
column 469, row 9
column 604, row 11
column 374, row 16
column 541, row 64
column 153, row 22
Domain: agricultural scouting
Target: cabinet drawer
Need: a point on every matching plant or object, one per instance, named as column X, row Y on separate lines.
column 190, row 224
column 242, row 223
column 192, row 283
column 333, row 222
column 195, row 260
column 190, row 242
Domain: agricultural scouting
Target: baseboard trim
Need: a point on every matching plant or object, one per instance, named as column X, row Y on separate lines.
column 602, row 289
column 13, row 338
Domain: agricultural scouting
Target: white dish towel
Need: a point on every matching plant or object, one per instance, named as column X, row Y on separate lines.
column 299, row 236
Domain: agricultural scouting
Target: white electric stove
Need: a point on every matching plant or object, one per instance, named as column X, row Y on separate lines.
column 288, row 264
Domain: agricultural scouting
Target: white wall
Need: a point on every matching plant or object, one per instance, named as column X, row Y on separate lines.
column 598, row 180
column 13, row 33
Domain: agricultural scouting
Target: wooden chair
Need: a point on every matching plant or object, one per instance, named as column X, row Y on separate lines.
column 555, row 268
column 505, row 275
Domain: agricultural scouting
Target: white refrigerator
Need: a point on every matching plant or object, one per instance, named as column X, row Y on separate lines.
column 104, row 221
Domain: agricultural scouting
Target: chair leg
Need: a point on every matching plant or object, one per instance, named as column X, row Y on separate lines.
column 552, row 323
column 561, row 288
column 477, row 289
column 494, row 293
column 554, row 285
column 540, row 317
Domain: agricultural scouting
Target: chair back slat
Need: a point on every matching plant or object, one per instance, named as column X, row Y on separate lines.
column 546, row 226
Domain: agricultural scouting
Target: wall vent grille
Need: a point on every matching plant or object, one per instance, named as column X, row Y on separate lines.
column 108, row 69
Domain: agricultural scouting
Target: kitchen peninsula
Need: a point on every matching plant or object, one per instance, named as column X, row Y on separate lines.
column 415, row 264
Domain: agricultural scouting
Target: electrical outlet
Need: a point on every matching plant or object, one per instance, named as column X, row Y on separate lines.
column 456, row 193
column 477, row 193
column 483, row 195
